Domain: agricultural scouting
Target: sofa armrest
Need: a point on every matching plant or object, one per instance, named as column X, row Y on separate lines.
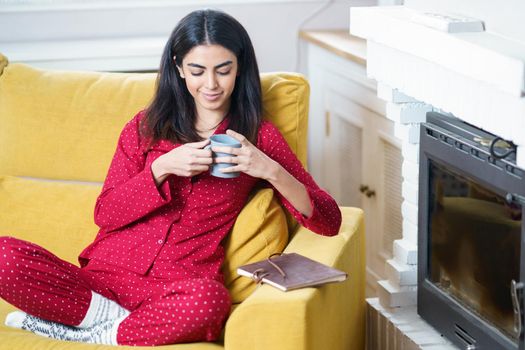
column 328, row 317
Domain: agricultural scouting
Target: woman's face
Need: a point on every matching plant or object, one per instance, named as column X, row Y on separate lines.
column 210, row 72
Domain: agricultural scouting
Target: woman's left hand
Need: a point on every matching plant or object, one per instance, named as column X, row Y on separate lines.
column 249, row 159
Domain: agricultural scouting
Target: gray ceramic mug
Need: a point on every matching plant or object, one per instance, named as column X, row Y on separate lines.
column 222, row 140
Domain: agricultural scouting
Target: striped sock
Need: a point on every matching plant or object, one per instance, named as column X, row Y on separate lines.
column 101, row 309
column 101, row 333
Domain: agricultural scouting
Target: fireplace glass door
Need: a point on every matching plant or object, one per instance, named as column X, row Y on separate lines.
column 474, row 246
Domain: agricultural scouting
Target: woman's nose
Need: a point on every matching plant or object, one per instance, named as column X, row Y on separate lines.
column 211, row 81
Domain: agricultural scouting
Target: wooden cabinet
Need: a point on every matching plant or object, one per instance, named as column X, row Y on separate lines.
column 353, row 153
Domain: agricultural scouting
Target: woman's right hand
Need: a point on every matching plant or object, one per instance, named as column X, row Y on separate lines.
column 187, row 160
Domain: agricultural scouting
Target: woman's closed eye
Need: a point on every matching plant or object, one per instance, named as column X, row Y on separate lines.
column 199, row 73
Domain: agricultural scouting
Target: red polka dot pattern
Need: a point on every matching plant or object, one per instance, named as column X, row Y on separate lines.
column 158, row 252
column 163, row 311
column 175, row 231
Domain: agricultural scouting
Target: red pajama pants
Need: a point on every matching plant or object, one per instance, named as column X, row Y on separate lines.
column 163, row 311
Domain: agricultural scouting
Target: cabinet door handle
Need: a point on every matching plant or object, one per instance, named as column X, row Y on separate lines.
column 367, row 191
column 363, row 188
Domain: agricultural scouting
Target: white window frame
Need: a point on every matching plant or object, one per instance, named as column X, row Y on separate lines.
column 50, row 5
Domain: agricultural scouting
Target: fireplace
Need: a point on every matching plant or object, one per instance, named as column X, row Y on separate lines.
column 479, row 78
column 471, row 257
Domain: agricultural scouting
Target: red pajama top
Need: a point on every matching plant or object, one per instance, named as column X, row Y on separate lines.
column 175, row 231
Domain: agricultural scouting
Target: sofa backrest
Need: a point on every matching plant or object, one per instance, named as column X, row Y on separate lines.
column 64, row 125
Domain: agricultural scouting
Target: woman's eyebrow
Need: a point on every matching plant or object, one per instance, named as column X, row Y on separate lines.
column 202, row 67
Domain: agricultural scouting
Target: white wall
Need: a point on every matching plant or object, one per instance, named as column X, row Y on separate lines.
column 505, row 17
column 273, row 26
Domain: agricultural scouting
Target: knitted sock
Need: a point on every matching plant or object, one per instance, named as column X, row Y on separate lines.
column 101, row 309
column 101, row 333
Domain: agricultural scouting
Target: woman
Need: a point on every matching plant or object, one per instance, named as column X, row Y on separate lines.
column 152, row 276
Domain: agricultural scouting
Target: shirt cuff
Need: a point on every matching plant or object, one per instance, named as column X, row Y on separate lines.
column 317, row 221
column 163, row 189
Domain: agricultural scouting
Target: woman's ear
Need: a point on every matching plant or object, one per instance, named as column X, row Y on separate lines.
column 181, row 73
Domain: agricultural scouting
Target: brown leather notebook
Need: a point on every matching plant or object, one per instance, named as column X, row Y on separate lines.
column 291, row 271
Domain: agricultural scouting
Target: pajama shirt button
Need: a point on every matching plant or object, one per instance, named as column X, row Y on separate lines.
column 160, row 241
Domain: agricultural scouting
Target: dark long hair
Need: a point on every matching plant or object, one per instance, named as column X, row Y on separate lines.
column 171, row 114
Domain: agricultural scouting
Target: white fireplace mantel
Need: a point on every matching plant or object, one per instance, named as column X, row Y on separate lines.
column 481, row 56
column 478, row 77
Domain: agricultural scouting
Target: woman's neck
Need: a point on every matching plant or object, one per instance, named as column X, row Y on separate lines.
column 206, row 125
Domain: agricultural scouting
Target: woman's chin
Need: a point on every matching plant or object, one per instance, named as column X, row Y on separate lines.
column 213, row 105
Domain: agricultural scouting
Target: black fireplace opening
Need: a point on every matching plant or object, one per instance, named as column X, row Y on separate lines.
column 471, row 235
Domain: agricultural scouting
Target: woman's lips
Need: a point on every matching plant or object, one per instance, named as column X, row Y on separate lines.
column 212, row 97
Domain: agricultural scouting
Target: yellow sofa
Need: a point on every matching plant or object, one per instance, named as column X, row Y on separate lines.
column 58, row 132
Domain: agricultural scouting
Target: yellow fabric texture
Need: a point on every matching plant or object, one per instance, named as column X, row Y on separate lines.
column 65, row 125
column 259, row 231
column 330, row 317
column 60, row 129
column 285, row 104
column 55, row 215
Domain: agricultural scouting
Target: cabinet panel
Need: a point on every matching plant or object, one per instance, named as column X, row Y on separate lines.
column 363, row 168
column 356, row 156
column 345, row 143
column 353, row 167
column 350, row 139
column 342, row 170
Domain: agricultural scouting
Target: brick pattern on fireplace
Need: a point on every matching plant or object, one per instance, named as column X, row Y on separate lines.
column 400, row 329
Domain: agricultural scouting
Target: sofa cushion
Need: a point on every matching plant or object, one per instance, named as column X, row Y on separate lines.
column 259, row 231
column 65, row 125
column 55, row 215
column 285, row 104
